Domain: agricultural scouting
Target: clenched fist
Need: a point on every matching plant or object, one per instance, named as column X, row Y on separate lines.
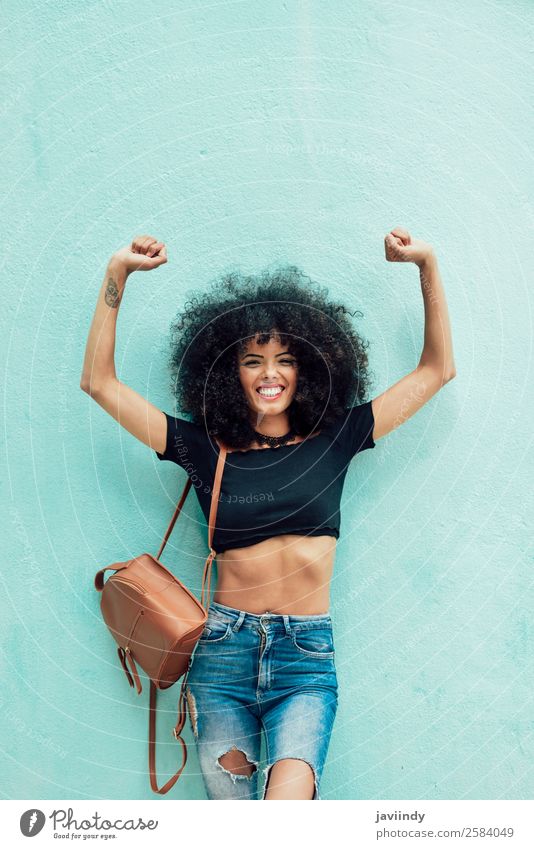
column 401, row 247
column 144, row 254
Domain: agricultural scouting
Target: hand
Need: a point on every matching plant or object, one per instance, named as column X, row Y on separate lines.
column 401, row 247
column 144, row 254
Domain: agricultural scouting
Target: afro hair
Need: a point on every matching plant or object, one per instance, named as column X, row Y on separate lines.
column 214, row 328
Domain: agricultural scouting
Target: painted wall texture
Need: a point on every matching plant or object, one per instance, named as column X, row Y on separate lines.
column 243, row 134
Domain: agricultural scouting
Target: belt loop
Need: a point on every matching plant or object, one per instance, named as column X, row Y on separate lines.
column 239, row 621
column 286, row 623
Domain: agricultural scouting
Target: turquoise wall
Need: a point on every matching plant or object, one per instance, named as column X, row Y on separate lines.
column 244, row 133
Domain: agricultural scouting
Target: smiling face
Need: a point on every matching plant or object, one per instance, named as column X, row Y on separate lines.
column 268, row 375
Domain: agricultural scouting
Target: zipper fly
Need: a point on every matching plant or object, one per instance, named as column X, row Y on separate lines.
column 263, row 666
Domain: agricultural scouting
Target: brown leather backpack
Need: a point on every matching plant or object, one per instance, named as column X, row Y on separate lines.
column 157, row 622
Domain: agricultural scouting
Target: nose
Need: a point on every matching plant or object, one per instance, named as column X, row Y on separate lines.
column 270, row 371
column 271, row 368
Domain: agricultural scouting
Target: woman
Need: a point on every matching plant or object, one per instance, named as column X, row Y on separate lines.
column 270, row 367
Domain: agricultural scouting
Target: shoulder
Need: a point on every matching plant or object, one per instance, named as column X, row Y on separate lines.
column 182, row 437
column 354, row 428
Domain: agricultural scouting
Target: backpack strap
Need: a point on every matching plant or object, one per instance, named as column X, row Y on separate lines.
column 177, row 734
column 206, row 577
column 172, row 523
column 213, row 508
column 99, row 577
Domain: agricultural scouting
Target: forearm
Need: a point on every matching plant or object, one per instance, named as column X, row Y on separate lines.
column 99, row 360
column 437, row 348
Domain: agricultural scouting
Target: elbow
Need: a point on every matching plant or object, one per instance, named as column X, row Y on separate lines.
column 439, row 375
column 88, row 386
column 97, row 387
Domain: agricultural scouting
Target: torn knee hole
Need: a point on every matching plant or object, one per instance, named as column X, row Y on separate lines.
column 237, row 764
column 193, row 713
column 282, row 778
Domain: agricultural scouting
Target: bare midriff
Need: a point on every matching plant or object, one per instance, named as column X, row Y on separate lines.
column 289, row 574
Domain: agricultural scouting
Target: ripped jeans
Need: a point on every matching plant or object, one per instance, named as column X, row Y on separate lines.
column 265, row 672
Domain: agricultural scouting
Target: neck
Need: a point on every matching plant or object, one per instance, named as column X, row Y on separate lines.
column 277, row 425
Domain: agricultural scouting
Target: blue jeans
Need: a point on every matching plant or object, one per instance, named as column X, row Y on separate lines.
column 252, row 672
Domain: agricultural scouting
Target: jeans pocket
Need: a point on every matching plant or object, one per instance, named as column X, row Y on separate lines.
column 314, row 641
column 215, row 631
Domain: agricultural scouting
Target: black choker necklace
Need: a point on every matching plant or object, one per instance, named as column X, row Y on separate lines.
column 274, row 441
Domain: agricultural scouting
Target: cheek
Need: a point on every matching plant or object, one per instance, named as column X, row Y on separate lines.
column 293, row 379
column 246, row 380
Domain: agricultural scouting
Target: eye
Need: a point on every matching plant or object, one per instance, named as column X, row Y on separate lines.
column 285, row 361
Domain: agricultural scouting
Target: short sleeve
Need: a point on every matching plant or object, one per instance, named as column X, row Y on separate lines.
column 184, row 441
column 356, row 428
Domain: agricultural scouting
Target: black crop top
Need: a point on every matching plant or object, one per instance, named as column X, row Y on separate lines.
column 292, row 489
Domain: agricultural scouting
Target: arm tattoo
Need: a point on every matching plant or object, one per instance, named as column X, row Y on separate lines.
column 112, row 295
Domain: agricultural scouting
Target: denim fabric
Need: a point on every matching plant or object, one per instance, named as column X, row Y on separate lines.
column 265, row 672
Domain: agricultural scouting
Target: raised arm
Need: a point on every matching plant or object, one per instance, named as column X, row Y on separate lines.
column 436, row 364
column 99, row 380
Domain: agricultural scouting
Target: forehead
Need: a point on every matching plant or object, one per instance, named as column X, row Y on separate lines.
column 271, row 347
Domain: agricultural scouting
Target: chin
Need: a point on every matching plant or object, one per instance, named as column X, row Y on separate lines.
column 271, row 408
column 256, row 403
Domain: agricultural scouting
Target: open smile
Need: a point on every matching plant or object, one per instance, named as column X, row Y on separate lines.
column 270, row 392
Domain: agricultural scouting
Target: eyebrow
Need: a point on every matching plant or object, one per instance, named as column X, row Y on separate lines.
column 261, row 355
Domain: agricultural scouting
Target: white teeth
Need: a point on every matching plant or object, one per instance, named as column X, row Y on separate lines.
column 270, row 393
